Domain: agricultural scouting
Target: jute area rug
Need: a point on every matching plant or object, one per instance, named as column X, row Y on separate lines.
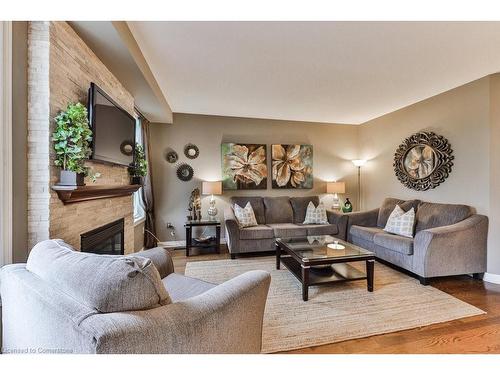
column 338, row 312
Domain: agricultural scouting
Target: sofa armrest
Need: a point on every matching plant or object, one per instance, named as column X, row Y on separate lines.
column 161, row 259
column 339, row 218
column 225, row 319
column 453, row 249
column 232, row 229
column 364, row 219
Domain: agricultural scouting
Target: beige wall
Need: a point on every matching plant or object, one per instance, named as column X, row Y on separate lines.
column 462, row 115
column 334, row 147
column 494, row 170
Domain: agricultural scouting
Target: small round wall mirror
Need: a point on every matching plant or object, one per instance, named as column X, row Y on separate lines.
column 172, row 156
column 185, row 172
column 127, row 148
column 423, row 161
column 191, row 151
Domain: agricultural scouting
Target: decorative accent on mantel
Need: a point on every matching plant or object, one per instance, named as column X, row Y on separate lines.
column 73, row 194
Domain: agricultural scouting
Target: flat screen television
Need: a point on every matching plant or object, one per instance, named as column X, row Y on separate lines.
column 113, row 129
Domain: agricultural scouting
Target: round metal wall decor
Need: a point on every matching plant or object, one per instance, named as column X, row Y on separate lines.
column 191, row 151
column 423, row 161
column 185, row 172
column 172, row 156
column 127, row 148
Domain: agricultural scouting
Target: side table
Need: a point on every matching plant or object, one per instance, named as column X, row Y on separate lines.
column 189, row 225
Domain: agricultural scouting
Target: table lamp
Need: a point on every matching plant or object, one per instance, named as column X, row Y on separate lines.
column 211, row 188
column 335, row 188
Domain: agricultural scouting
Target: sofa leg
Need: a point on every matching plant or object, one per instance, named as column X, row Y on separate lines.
column 233, row 256
column 423, row 280
column 478, row 276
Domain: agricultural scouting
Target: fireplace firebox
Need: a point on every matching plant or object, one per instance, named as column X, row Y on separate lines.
column 108, row 239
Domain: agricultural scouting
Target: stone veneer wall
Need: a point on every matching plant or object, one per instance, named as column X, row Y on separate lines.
column 72, row 66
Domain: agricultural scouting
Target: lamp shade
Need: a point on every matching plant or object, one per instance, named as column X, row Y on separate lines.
column 335, row 187
column 359, row 162
column 211, row 187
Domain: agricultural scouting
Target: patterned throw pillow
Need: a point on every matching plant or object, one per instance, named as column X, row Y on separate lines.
column 401, row 222
column 245, row 216
column 316, row 215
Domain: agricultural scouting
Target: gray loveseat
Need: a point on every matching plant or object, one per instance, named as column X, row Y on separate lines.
column 450, row 239
column 277, row 217
column 71, row 303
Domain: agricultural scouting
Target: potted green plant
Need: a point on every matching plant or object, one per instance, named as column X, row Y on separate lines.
column 139, row 167
column 72, row 138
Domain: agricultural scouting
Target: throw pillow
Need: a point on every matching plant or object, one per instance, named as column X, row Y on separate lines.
column 316, row 215
column 401, row 222
column 245, row 216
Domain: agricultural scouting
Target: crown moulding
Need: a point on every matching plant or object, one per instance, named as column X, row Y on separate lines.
column 74, row 194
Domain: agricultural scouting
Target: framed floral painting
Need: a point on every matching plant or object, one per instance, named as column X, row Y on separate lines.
column 244, row 166
column 292, row 166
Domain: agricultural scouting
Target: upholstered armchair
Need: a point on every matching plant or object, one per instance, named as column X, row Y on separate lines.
column 63, row 301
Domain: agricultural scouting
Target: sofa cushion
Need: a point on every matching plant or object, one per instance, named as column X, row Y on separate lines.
column 256, row 233
column 431, row 215
column 181, row 287
column 278, row 210
column 400, row 244
column 106, row 283
column 366, row 233
column 257, row 205
column 388, row 206
column 321, row 229
column 288, row 230
column 299, row 206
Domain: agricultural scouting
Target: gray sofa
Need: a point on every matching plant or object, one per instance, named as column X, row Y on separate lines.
column 277, row 217
column 71, row 303
column 450, row 239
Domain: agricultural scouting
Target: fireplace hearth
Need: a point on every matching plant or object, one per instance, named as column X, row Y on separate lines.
column 108, row 239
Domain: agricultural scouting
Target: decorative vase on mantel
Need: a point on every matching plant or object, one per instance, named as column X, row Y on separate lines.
column 70, row 178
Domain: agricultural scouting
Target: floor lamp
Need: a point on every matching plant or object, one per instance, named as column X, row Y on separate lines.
column 359, row 163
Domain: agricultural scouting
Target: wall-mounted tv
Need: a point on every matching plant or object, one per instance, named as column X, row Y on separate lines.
column 113, row 129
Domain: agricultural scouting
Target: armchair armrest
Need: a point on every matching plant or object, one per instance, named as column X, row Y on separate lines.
column 364, row 219
column 225, row 319
column 452, row 249
column 339, row 218
column 161, row 259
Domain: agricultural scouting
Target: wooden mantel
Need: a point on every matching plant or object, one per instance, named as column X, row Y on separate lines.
column 73, row 194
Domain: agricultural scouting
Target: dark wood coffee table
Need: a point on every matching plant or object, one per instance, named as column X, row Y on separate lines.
column 313, row 262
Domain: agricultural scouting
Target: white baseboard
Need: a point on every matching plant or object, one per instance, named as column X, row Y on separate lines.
column 491, row 278
column 181, row 243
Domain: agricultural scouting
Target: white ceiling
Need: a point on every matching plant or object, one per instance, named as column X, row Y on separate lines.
column 340, row 72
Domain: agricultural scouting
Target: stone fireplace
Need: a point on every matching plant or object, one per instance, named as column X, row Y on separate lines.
column 60, row 69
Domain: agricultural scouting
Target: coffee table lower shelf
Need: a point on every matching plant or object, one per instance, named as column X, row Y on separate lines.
column 337, row 272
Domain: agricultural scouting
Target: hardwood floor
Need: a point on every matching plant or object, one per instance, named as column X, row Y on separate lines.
column 479, row 334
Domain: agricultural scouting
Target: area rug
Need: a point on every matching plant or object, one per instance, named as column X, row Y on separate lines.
column 339, row 312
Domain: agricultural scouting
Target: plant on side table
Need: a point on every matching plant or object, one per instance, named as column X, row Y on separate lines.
column 138, row 169
column 72, row 138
